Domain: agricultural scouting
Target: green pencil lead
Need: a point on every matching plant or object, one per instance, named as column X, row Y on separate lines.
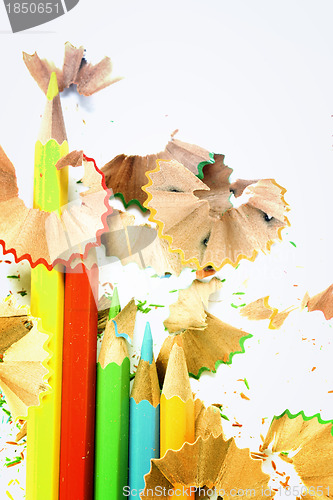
column 115, row 307
column 224, row 416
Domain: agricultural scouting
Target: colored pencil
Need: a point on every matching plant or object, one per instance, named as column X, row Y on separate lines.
column 177, row 409
column 78, row 384
column 47, row 302
column 144, row 417
column 112, row 412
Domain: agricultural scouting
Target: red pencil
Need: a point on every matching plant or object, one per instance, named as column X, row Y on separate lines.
column 78, row 385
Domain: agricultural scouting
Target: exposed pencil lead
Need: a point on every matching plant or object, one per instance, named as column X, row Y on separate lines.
column 147, row 345
column 53, row 89
column 115, row 307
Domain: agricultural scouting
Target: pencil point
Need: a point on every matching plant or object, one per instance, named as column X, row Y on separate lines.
column 147, row 345
column 53, row 89
column 179, row 384
column 115, row 305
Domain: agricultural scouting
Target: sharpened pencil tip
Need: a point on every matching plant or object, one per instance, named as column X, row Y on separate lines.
column 52, row 90
column 115, row 305
column 147, row 345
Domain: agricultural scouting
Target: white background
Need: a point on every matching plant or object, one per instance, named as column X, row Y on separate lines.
column 250, row 79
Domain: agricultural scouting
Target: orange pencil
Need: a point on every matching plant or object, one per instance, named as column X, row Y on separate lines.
column 78, row 384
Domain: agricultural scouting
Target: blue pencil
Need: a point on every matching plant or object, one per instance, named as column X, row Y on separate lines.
column 144, row 417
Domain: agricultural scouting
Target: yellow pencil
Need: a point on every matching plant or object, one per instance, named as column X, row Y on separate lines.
column 177, row 409
column 47, row 301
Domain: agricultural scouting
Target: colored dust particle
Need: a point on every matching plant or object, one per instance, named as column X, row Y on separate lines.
column 7, row 412
column 238, row 293
column 2, row 403
column 247, row 384
column 10, row 462
column 141, row 306
column 292, row 243
column 224, row 416
column 22, row 293
column 236, row 307
column 13, row 277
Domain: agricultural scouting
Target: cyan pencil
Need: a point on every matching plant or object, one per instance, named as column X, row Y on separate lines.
column 144, row 417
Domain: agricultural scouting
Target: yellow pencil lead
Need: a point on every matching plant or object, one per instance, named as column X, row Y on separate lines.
column 53, row 89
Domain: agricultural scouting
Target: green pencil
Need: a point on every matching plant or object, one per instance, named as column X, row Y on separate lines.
column 112, row 404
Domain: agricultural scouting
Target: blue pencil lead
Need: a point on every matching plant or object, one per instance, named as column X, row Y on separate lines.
column 147, row 345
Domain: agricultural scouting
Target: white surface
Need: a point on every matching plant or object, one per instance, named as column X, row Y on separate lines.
column 252, row 80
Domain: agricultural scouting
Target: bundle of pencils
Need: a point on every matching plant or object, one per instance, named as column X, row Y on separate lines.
column 68, row 308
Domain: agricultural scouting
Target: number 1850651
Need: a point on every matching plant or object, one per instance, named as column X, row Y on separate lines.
column 32, row 8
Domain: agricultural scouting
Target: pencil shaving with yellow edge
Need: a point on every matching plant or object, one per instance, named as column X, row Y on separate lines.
column 126, row 174
column 260, row 310
column 200, row 223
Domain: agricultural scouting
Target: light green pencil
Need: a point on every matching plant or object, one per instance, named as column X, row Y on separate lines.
column 112, row 403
